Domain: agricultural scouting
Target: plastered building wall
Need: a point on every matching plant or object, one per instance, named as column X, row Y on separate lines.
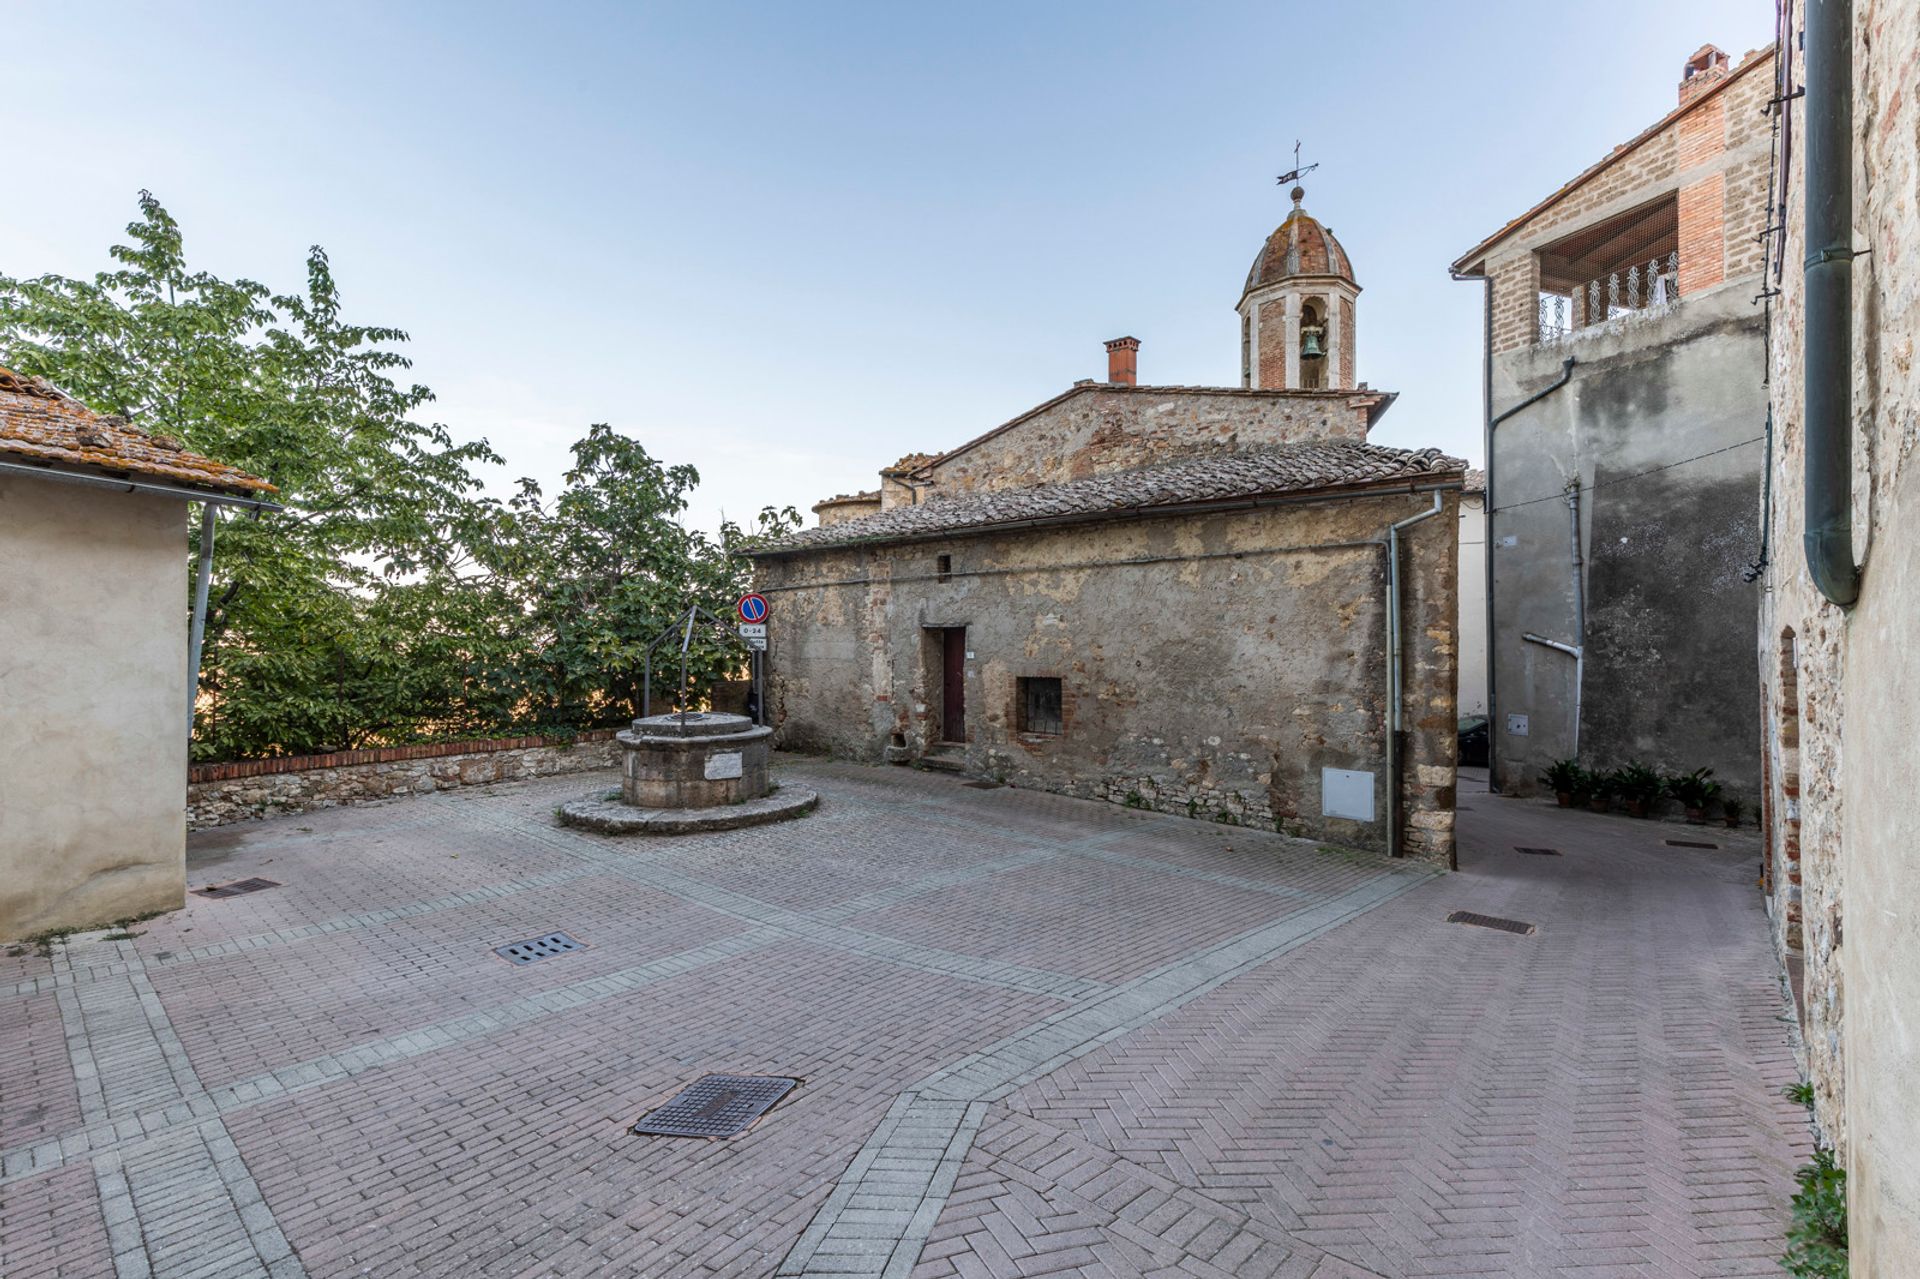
column 1101, row 428
column 1842, row 696
column 1473, row 604
column 93, row 688
column 1662, row 427
column 1215, row 673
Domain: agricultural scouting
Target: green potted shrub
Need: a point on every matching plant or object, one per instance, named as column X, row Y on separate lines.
column 1695, row 791
column 1563, row 778
column 1600, row 789
column 1639, row 787
column 1731, row 808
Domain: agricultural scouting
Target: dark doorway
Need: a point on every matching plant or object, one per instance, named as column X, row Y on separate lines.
column 953, row 684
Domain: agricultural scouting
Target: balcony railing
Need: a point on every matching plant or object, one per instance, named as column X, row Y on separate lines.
column 1638, row 289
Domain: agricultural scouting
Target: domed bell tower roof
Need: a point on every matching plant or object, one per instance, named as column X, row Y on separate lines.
column 1300, row 246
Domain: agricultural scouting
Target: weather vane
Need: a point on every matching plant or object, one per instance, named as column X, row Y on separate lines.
column 1298, row 171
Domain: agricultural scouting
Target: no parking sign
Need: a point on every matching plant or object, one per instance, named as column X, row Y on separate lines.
column 753, row 608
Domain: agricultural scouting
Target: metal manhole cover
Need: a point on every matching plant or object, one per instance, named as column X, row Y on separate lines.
column 716, row 1106
column 236, row 888
column 1489, row 921
column 1537, row 852
column 1689, row 843
column 535, row 949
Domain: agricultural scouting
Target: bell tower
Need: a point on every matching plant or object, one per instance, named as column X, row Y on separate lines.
column 1297, row 310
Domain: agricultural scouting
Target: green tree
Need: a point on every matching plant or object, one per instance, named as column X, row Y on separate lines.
column 391, row 601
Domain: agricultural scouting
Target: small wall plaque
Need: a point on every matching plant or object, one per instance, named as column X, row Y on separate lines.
column 724, row 766
column 1517, row 725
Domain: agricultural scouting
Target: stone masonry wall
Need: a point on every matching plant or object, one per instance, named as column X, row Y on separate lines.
column 1842, row 695
column 1103, row 428
column 1209, row 666
column 232, row 792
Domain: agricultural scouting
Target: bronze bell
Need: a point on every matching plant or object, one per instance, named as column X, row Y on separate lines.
column 1311, row 344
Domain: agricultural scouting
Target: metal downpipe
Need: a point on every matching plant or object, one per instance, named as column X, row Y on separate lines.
column 1829, row 301
column 197, row 631
column 1395, row 719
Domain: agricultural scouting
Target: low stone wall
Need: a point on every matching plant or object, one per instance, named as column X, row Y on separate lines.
column 233, row 792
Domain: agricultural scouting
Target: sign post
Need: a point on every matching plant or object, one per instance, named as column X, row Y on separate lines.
column 753, row 610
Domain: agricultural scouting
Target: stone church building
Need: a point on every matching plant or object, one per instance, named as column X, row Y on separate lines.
column 1216, row 601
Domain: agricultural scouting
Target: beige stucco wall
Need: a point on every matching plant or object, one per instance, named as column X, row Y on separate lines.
column 93, row 656
column 1472, row 624
column 1843, row 715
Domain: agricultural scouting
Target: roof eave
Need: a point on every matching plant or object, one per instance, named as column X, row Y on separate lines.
column 1439, row 481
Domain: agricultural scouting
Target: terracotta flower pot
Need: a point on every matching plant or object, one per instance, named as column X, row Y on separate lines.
column 1636, row 808
column 1733, row 823
column 1696, row 817
column 1563, row 798
column 1599, row 804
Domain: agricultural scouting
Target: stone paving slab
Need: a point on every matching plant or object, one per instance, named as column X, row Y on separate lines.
column 1037, row 1036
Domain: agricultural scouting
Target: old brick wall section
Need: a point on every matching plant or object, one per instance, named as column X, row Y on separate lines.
column 231, row 792
column 1843, row 687
column 1713, row 158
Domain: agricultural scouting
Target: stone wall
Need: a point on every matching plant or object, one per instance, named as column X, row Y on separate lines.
column 1101, row 428
column 232, row 792
column 1209, row 665
column 1842, row 697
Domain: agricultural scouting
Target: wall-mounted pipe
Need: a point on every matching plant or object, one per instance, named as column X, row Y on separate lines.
column 1578, row 652
column 1829, row 300
column 1395, row 719
column 197, row 628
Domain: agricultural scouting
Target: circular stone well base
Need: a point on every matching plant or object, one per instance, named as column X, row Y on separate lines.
column 603, row 811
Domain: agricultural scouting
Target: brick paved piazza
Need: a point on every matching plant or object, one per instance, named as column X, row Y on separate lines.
column 1038, row 1036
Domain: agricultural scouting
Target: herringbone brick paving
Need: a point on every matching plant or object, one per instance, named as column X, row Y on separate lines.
column 1186, row 1049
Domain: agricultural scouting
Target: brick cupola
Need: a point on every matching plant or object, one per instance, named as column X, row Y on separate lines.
column 1297, row 310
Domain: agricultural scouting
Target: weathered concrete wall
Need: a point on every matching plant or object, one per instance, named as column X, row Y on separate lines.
column 1472, row 623
column 1843, row 714
column 1103, row 428
column 1210, row 665
column 1669, row 524
column 222, row 793
column 93, row 684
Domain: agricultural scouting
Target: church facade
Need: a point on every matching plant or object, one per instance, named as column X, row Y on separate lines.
column 1222, row 602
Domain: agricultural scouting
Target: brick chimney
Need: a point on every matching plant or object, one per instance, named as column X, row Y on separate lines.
column 1704, row 69
column 1123, row 362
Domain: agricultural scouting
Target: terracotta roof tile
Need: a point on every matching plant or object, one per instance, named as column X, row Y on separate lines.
column 42, row 423
column 1288, row 468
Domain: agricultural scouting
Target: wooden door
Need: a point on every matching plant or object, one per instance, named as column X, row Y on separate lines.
column 953, row 684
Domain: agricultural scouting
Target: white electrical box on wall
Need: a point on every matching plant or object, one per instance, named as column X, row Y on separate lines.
column 1346, row 792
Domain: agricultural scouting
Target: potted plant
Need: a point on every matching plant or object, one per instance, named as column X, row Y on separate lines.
column 1730, row 809
column 1599, row 789
column 1563, row 779
column 1695, row 791
column 1639, row 787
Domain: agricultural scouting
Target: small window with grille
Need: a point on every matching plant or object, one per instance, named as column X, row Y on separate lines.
column 1039, row 705
column 943, row 567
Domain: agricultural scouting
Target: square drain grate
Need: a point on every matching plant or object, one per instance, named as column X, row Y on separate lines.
column 1537, row 852
column 1690, row 843
column 982, row 785
column 235, row 889
column 716, row 1106
column 535, row 949
column 1489, row 921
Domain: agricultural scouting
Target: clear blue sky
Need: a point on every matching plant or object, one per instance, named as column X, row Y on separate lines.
column 790, row 242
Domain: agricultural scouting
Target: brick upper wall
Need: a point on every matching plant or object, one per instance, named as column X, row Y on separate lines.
column 1711, row 155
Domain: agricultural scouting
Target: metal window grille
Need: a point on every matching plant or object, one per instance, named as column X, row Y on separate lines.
column 1040, row 704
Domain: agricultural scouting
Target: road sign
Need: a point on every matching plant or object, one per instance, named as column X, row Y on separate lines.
column 753, row 630
column 758, row 643
column 753, row 608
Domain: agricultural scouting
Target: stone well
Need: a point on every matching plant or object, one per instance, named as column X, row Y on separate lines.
column 699, row 772
column 702, row 761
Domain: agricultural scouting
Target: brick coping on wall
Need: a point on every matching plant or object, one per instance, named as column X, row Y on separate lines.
column 234, row 769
